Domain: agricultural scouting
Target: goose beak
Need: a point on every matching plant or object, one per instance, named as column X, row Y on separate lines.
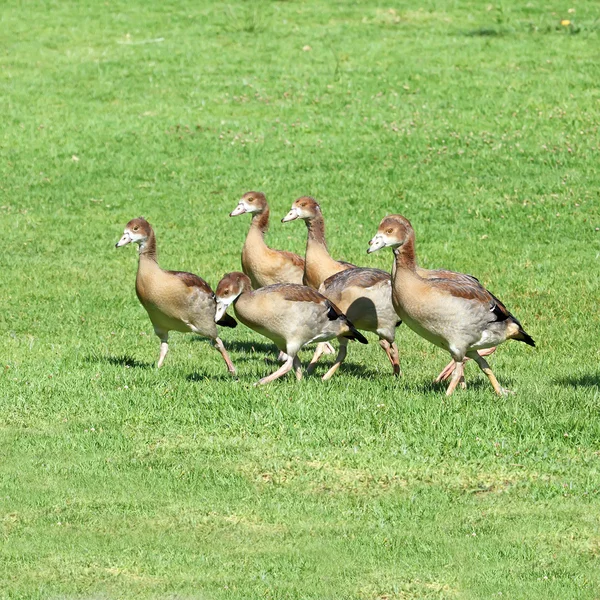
column 291, row 216
column 240, row 209
column 377, row 243
column 222, row 306
column 126, row 239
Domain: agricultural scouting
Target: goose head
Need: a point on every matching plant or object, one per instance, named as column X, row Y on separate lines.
column 250, row 202
column 305, row 208
column 229, row 288
column 137, row 231
column 393, row 231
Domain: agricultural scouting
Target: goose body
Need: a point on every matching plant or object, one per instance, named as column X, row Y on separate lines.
column 263, row 265
column 363, row 292
column 318, row 263
column 455, row 312
column 290, row 315
column 174, row 300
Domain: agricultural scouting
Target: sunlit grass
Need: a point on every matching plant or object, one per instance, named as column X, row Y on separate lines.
column 478, row 122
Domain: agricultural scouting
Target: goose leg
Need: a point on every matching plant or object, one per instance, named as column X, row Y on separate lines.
column 327, row 348
column 396, row 359
column 286, row 367
column 459, row 368
column 445, row 372
column 316, row 356
column 487, row 351
column 298, row 368
column 449, row 368
column 339, row 359
column 392, row 353
column 164, row 347
column 221, row 348
column 483, row 365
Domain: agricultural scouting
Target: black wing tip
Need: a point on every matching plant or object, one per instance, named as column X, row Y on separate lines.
column 359, row 337
column 354, row 334
column 332, row 312
column 526, row 338
column 227, row 321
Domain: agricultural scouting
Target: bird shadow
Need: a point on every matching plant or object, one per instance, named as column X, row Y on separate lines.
column 473, row 383
column 589, row 380
column 196, row 377
column 120, row 361
column 252, row 351
column 348, row 368
column 252, row 347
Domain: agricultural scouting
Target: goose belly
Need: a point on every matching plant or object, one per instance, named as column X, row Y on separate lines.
column 293, row 323
column 445, row 323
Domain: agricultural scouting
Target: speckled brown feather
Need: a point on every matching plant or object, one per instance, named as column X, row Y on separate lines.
column 192, row 280
column 359, row 277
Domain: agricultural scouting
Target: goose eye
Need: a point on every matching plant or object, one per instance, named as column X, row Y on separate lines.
column 389, row 231
column 226, row 292
column 303, row 205
column 250, row 200
column 136, row 228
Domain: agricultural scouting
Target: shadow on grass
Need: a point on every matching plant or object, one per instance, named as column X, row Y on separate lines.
column 202, row 377
column 120, row 361
column 249, row 351
column 486, row 32
column 581, row 381
column 473, row 383
column 252, row 347
column 346, row 368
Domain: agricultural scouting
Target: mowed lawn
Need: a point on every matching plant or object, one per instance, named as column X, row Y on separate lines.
column 478, row 121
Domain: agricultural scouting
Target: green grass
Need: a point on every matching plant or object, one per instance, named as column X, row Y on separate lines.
column 478, row 122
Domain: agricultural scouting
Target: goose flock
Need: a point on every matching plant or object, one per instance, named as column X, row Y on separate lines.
column 295, row 301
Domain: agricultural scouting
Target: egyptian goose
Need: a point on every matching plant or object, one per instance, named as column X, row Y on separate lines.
column 262, row 264
column 174, row 301
column 365, row 293
column 318, row 263
column 457, row 314
column 290, row 315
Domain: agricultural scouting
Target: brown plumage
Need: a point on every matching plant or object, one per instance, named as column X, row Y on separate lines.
column 290, row 315
column 318, row 264
column 264, row 265
column 455, row 313
column 365, row 297
column 174, row 300
column 363, row 277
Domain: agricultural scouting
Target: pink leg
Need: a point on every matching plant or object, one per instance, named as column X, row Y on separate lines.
column 456, row 377
column 221, row 348
column 286, row 367
column 487, row 351
column 449, row 368
column 392, row 353
column 297, row 368
column 338, row 360
column 316, row 356
column 164, row 347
